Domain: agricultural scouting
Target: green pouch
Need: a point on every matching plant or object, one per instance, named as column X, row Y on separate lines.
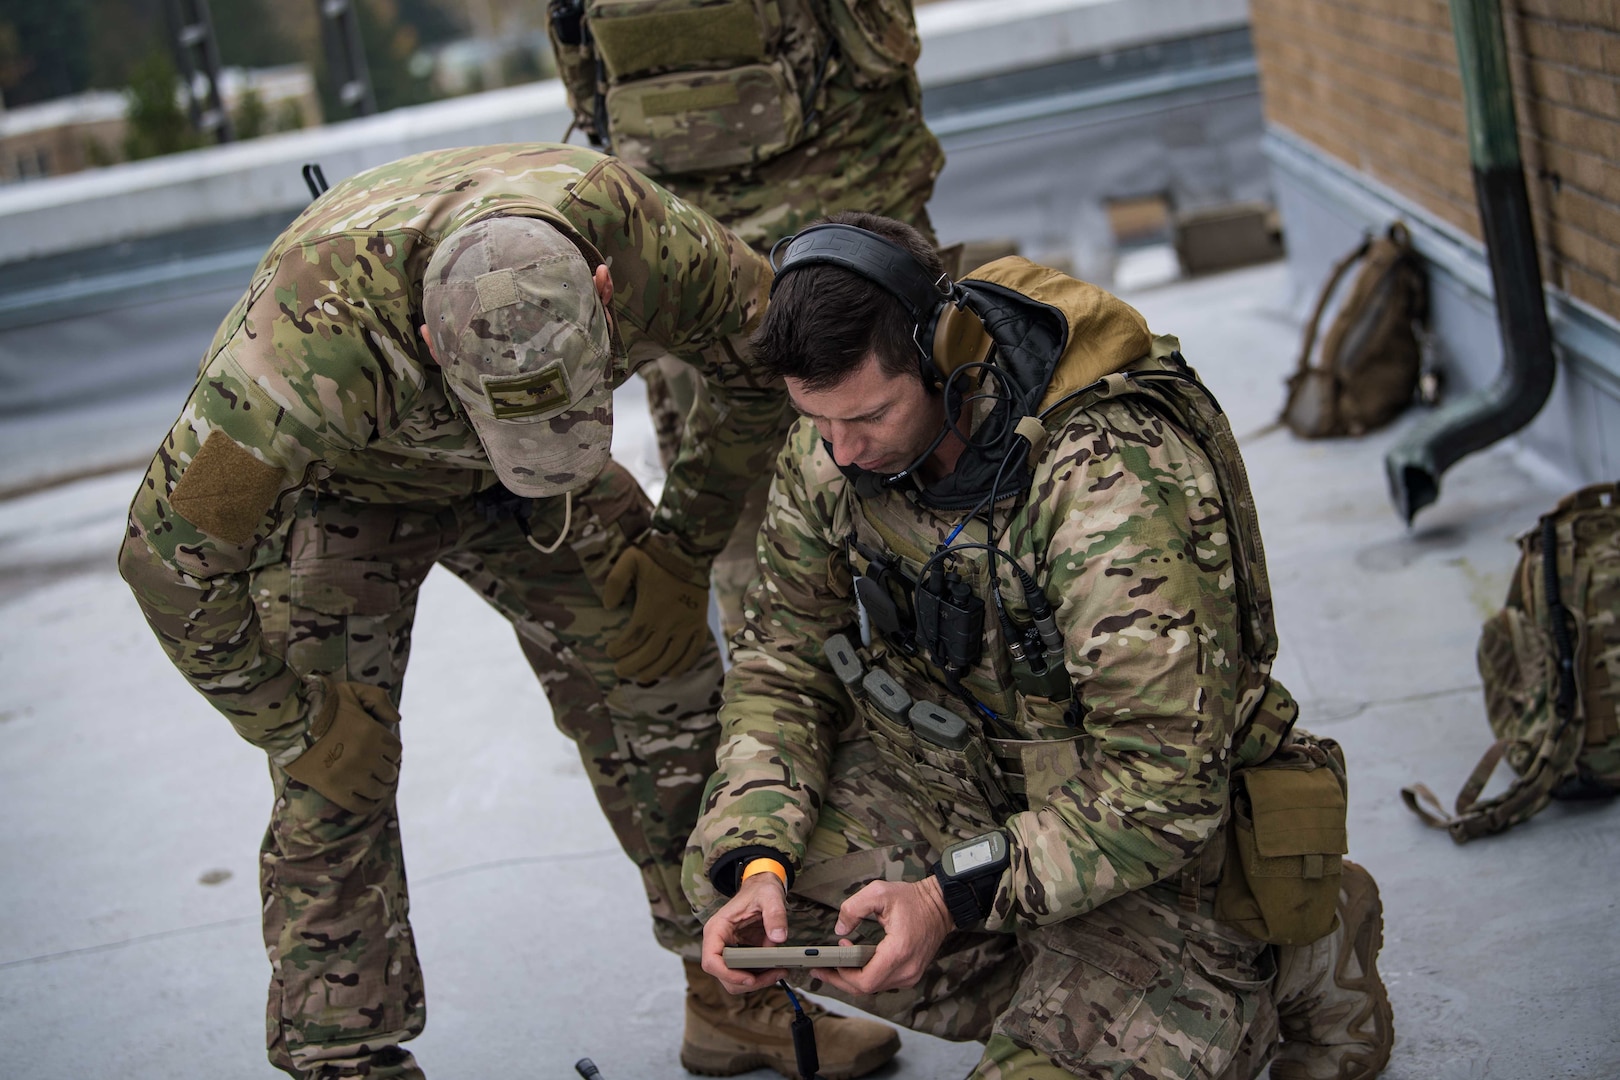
column 1285, row 848
column 644, row 37
column 702, row 120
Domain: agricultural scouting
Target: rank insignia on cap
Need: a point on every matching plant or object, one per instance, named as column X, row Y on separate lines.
column 518, row 397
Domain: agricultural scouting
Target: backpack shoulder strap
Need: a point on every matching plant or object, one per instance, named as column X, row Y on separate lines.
column 1525, row 797
column 1328, row 291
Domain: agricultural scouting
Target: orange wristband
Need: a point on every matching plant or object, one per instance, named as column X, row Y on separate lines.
column 764, row 866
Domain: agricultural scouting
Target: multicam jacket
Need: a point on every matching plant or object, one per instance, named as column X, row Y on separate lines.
column 1143, row 539
column 320, row 373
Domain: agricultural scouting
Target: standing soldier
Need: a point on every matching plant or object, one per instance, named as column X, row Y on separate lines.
column 768, row 116
column 421, row 373
column 1005, row 693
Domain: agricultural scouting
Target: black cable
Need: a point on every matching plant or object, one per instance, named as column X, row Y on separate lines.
column 803, row 1030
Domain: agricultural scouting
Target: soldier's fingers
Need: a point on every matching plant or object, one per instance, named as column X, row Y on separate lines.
column 376, row 701
column 850, row 980
column 632, row 637
column 773, row 912
column 688, row 655
column 385, row 773
column 620, row 579
column 866, row 904
column 645, row 663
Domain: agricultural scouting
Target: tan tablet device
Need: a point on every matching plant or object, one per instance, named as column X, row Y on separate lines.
column 796, row 956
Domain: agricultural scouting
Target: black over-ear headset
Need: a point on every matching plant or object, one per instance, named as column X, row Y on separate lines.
column 954, row 335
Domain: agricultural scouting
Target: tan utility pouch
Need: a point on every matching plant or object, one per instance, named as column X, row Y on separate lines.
column 1285, row 844
column 694, row 85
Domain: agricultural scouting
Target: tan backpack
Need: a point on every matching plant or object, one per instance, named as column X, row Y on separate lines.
column 1372, row 356
column 1550, row 661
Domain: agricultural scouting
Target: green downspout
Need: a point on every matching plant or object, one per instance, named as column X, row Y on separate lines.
column 1480, row 419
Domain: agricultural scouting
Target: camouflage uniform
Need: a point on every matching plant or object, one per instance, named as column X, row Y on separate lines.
column 1100, row 955
column 372, row 475
column 867, row 149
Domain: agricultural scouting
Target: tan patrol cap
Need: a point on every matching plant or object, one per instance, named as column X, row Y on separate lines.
column 522, row 339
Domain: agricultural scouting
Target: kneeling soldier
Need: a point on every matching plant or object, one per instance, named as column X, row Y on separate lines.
column 1003, row 701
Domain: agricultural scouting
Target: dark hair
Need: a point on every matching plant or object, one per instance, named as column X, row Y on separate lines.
column 823, row 320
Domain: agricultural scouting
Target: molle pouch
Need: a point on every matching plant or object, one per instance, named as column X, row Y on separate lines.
column 1286, row 841
column 695, row 85
column 884, row 703
column 876, row 38
column 1049, row 717
column 953, row 761
column 1034, row 768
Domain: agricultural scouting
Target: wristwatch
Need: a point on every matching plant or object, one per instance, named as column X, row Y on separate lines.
column 968, row 874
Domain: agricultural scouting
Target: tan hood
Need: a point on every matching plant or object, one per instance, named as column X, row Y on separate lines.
column 1105, row 333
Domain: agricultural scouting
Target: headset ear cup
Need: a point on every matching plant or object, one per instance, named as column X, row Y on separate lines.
column 959, row 338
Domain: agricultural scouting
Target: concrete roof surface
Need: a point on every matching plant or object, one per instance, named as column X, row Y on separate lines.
column 130, row 943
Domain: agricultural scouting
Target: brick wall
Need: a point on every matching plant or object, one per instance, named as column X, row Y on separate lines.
column 1374, row 83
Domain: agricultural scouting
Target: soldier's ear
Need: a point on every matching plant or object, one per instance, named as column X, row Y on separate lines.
column 604, row 284
column 429, row 342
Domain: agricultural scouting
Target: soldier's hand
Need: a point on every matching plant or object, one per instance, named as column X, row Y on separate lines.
column 915, row 921
column 756, row 916
column 669, row 625
column 354, row 760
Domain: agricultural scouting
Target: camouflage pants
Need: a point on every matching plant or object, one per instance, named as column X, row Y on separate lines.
column 1140, row 987
column 345, row 987
column 672, row 386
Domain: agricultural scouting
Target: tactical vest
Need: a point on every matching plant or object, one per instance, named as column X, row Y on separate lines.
column 964, row 782
column 676, row 86
column 673, row 86
column 963, row 791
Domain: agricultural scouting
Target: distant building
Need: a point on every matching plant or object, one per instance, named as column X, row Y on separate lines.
column 1365, row 124
column 54, row 138
column 61, row 136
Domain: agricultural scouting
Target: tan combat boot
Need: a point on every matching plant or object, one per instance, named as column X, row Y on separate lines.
column 727, row 1034
column 1332, row 1008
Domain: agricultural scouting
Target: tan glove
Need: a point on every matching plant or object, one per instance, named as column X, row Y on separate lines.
column 355, row 759
column 669, row 625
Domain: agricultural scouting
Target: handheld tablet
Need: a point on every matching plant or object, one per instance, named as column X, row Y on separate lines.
column 797, row 956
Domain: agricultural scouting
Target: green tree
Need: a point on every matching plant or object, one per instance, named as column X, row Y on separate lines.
column 251, row 118
column 157, row 124
column 289, row 116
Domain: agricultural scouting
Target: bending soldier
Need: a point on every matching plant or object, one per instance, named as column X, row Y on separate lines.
column 825, row 114
column 1003, row 702
column 325, row 462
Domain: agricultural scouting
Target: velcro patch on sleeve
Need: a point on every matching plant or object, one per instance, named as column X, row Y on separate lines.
column 529, row 395
column 226, row 491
